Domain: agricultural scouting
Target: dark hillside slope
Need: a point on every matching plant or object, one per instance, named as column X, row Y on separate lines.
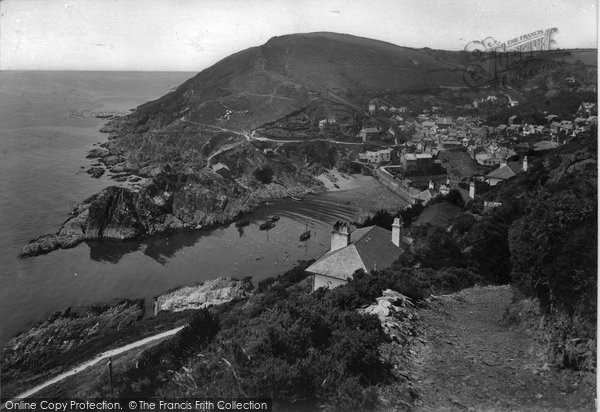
column 283, row 74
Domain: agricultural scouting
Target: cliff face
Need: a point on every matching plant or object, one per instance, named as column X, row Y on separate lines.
column 172, row 200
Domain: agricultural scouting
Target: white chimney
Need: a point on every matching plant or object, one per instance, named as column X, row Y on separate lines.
column 525, row 164
column 397, row 231
column 472, row 190
column 340, row 235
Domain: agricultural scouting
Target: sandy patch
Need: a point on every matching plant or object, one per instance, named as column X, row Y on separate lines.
column 334, row 180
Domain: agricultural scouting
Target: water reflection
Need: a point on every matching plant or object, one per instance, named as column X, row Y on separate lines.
column 244, row 243
column 111, row 251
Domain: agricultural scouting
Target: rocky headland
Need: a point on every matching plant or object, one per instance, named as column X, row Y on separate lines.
column 164, row 195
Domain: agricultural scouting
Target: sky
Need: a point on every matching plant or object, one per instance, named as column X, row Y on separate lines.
column 190, row 35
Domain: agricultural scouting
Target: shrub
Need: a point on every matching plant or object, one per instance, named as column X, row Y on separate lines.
column 264, row 175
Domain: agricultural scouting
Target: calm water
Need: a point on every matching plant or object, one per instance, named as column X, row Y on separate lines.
column 42, row 153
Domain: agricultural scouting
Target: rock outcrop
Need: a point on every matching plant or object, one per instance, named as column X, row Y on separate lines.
column 98, row 152
column 210, row 293
column 170, row 200
column 396, row 313
column 96, row 171
column 65, row 331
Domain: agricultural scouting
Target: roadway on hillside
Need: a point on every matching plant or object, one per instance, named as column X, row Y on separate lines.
column 475, row 360
column 102, row 356
column 249, row 137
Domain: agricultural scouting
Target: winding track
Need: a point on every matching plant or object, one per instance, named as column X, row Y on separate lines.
column 102, row 356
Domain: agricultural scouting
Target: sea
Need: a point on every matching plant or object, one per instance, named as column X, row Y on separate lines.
column 46, row 129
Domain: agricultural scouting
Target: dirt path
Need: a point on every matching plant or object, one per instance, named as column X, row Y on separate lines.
column 94, row 361
column 474, row 360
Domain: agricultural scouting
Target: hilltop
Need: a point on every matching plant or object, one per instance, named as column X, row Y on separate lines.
column 248, row 129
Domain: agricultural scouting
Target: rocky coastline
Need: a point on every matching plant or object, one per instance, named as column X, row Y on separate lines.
column 79, row 333
column 161, row 197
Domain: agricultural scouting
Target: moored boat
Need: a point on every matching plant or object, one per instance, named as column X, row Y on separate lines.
column 267, row 225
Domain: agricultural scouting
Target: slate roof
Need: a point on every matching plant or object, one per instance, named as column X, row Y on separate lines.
column 506, row 171
column 369, row 248
column 438, row 215
column 370, row 130
column 427, row 195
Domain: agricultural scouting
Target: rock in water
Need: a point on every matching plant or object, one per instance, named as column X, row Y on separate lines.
column 98, row 152
column 212, row 292
column 110, row 214
column 96, row 171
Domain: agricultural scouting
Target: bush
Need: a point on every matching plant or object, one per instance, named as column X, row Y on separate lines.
column 381, row 218
column 264, row 175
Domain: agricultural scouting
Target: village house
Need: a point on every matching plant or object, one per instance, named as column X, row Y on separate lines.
column 566, row 126
column 426, row 195
column 369, row 133
column 324, row 122
column 221, row 169
column 416, row 162
column 372, row 106
column 555, row 127
column 379, row 156
column 368, row 248
column 397, row 119
column 586, row 108
column 506, row 171
column 428, row 125
column 500, row 129
column 443, row 122
column 485, row 159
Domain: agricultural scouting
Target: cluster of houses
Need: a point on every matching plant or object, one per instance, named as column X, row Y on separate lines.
column 375, row 248
column 432, row 131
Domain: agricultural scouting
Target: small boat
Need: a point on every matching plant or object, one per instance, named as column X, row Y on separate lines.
column 243, row 222
column 297, row 199
column 273, row 218
column 306, row 235
column 267, row 225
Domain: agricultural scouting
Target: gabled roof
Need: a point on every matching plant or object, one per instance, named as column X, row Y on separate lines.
column 426, row 195
column 369, row 248
column 370, row 130
column 438, row 215
column 506, row 171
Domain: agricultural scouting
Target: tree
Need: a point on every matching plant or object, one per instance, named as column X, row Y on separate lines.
column 264, row 175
